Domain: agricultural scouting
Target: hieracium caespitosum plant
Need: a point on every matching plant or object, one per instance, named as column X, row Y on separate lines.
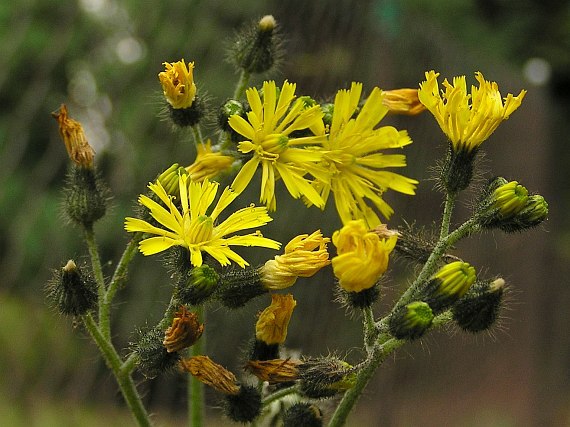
column 343, row 152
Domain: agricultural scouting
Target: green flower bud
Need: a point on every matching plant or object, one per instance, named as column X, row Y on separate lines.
column 244, row 406
column 85, row 196
column 153, row 357
column 169, row 179
column 328, row 110
column 325, row 377
column 230, row 108
column 198, row 285
column 500, row 202
column 191, row 116
column 72, row 291
column 449, row 284
column 303, row 414
column 258, row 47
column 410, row 322
column 478, row 309
column 457, row 170
column 534, row 212
column 238, row 286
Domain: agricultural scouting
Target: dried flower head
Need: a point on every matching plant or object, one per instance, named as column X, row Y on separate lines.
column 79, row 150
column 211, row 374
column 184, row 331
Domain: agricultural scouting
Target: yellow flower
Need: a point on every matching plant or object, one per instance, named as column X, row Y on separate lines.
column 178, row 83
column 267, row 130
column 403, row 101
column 362, row 256
column 304, row 255
column 208, row 163
column 194, row 229
column 271, row 327
column 353, row 157
column 71, row 131
column 467, row 119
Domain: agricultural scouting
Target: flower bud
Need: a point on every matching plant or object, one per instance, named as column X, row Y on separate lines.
column 325, row 377
column 232, row 107
column 478, row 309
column 410, row 322
column 257, row 48
column 403, row 101
column 196, row 287
column 238, row 286
column 244, row 406
column 303, row 414
column 178, row 84
column 532, row 214
column 169, row 179
column 501, row 201
column 328, row 110
column 184, row 331
column 153, row 357
column 449, row 284
column 72, row 291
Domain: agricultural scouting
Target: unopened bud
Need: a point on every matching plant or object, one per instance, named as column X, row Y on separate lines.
column 72, row 291
column 449, row 284
column 85, row 196
column 303, row 414
column 478, row 309
column 411, row 321
column 153, row 357
column 198, row 285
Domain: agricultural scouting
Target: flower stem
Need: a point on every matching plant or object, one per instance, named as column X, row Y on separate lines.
column 447, row 211
column 197, row 133
column 378, row 355
column 121, row 371
column 468, row 227
column 242, row 84
column 369, row 328
column 278, row 395
column 195, row 387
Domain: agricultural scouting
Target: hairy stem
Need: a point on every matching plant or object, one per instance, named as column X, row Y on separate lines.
column 447, row 211
column 120, row 371
column 195, row 387
column 242, row 84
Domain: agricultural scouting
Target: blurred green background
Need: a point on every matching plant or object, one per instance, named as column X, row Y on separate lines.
column 101, row 58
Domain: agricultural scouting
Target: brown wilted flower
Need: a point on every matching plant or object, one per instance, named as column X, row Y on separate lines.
column 275, row 370
column 184, row 331
column 74, row 139
column 210, row 373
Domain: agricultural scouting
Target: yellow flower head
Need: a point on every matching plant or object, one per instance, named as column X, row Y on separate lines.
column 208, row 163
column 362, row 256
column 304, row 255
column 467, row 119
column 267, row 129
column 196, row 229
column 178, row 83
column 71, row 131
column 271, row 327
column 403, row 101
column 353, row 157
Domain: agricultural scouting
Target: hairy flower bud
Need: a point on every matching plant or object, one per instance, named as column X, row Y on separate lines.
column 325, row 377
column 449, row 284
column 196, row 286
column 72, row 291
column 85, row 196
column 478, row 309
column 238, row 286
column 244, row 406
column 257, row 48
column 169, row 179
column 153, row 357
column 303, row 414
column 411, row 321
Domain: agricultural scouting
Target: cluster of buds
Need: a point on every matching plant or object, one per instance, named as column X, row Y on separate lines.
column 506, row 205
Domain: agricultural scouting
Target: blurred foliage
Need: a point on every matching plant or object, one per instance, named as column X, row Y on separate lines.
column 101, row 57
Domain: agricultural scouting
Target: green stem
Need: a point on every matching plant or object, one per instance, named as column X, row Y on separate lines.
column 278, row 395
column 95, row 260
column 379, row 354
column 242, row 84
column 195, row 387
column 130, row 364
column 447, row 211
column 439, row 250
column 197, row 136
column 370, row 330
column 116, row 281
column 122, row 375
